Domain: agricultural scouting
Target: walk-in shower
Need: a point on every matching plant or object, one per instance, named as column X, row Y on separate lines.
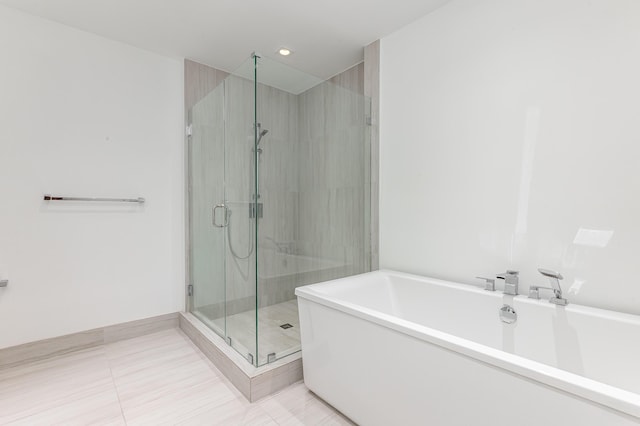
column 279, row 194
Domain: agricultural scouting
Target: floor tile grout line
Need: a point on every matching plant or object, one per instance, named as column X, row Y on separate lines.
column 271, row 417
column 115, row 386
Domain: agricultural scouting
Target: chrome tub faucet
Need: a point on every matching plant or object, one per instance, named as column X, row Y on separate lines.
column 554, row 280
column 511, row 280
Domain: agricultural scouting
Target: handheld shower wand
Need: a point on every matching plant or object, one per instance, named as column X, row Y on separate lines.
column 261, row 135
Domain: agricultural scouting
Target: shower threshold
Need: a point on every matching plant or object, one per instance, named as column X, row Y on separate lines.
column 253, row 382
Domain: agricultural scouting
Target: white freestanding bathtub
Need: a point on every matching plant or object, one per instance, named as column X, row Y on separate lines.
column 387, row 348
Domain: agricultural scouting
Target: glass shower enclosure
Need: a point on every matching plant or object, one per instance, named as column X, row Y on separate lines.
column 279, row 196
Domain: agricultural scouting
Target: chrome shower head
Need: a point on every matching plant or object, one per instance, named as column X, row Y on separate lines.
column 262, row 133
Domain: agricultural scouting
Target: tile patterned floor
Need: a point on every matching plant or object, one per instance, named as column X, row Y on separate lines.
column 158, row 379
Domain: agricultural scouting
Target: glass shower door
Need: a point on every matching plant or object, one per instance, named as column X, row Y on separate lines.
column 207, row 211
column 314, row 182
column 242, row 197
column 222, row 210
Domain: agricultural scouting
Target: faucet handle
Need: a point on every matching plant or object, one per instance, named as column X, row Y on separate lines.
column 551, row 274
column 510, row 272
column 557, row 299
column 534, row 291
column 490, row 283
column 554, row 279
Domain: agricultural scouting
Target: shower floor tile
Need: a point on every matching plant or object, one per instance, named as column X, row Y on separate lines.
column 160, row 378
column 272, row 337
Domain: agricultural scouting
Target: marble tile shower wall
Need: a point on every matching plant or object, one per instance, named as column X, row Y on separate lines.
column 334, row 179
column 240, row 244
column 278, row 187
column 314, row 186
column 279, row 192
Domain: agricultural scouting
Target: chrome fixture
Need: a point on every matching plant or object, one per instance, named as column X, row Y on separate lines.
column 139, row 200
column 554, row 280
column 260, row 134
column 490, row 283
column 256, row 210
column 507, row 314
column 511, row 280
column 226, row 215
column 255, row 207
column 4, row 283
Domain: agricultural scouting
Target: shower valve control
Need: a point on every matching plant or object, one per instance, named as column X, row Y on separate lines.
column 255, row 211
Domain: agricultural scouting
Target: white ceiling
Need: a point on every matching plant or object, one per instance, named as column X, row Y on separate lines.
column 327, row 36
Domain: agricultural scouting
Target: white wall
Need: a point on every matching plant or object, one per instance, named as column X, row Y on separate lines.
column 82, row 115
column 506, row 128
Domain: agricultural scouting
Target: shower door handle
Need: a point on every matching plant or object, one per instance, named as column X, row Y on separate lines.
column 226, row 215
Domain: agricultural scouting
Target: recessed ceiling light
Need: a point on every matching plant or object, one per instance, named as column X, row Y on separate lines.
column 284, row 51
